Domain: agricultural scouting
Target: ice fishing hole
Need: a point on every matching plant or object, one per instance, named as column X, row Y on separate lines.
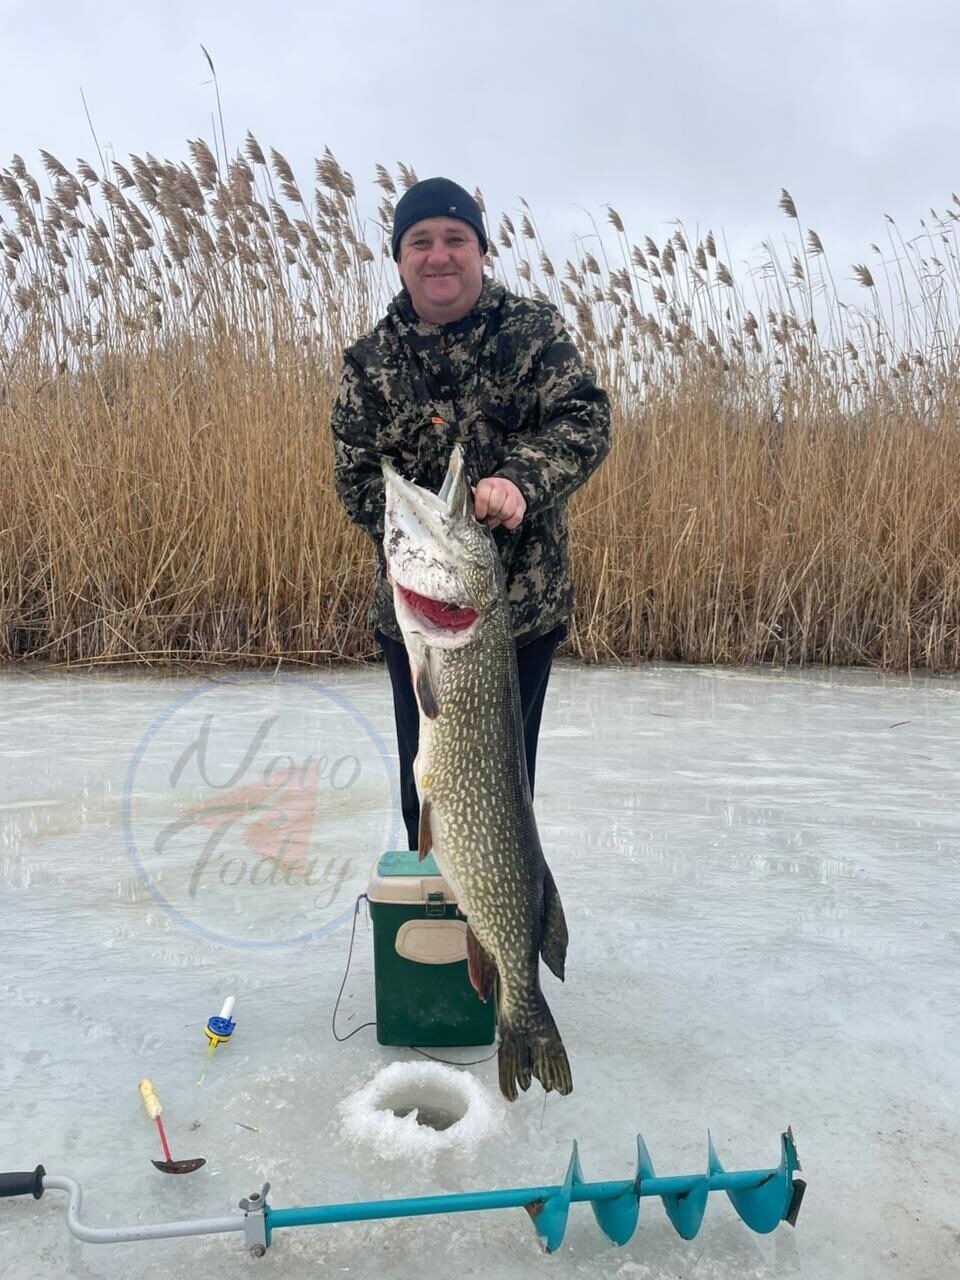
column 436, row 1105
column 413, row 1110
column 432, row 1117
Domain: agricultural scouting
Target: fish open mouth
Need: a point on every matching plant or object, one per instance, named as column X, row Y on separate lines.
column 437, row 613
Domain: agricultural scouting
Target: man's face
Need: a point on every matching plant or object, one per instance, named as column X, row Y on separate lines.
column 442, row 268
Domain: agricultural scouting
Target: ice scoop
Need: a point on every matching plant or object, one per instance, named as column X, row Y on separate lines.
column 151, row 1104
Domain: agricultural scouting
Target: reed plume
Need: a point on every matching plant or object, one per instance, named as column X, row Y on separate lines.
column 784, row 484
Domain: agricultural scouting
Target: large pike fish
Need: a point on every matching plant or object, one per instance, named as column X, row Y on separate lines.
column 476, row 813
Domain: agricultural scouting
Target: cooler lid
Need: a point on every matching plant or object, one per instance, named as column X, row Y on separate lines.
column 400, row 877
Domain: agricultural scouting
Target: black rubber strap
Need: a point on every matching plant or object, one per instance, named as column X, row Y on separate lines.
column 23, row 1184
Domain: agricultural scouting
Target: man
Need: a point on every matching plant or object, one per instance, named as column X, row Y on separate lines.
column 458, row 358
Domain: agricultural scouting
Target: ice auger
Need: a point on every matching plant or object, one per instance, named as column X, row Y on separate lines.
column 763, row 1198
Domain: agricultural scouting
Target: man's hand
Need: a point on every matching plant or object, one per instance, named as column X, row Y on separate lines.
column 499, row 501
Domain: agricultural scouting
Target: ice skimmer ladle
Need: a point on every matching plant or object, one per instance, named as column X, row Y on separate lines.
column 151, row 1104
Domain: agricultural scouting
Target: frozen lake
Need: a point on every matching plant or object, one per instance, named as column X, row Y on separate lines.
column 761, row 875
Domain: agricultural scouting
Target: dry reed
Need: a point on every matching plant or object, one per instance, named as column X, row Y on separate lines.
column 784, row 483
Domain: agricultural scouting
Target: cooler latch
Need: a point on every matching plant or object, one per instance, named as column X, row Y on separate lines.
column 436, row 906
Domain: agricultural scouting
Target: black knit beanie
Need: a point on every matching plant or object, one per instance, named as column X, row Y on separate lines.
column 436, row 198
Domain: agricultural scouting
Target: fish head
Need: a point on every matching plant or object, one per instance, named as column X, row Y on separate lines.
column 443, row 564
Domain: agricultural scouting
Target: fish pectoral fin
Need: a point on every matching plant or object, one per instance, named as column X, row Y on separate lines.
column 424, row 687
column 553, row 928
column 425, row 841
column 481, row 967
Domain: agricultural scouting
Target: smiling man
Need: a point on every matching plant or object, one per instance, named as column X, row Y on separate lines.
column 459, row 358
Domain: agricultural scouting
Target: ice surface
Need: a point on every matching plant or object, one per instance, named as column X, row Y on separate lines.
column 761, row 876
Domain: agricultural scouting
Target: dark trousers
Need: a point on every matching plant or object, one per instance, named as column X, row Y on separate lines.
column 533, row 668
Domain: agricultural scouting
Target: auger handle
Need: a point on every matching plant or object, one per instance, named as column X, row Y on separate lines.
column 151, row 1103
column 23, row 1184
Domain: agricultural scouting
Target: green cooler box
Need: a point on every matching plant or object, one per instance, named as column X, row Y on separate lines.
column 424, row 996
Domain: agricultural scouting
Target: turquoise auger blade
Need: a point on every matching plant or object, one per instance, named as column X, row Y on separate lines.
column 685, row 1206
column 617, row 1217
column 615, row 1206
column 549, row 1216
column 776, row 1199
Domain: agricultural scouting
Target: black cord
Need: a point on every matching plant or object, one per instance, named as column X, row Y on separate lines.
column 447, row 1062
column 333, row 1020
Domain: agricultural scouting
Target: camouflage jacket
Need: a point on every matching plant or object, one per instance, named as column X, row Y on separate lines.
column 508, row 383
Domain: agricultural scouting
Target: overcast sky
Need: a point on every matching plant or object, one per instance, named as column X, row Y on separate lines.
column 700, row 111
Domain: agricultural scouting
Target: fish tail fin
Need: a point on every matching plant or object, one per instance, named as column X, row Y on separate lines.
column 532, row 1049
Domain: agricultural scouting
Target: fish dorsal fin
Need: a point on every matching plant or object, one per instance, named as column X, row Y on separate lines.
column 553, row 928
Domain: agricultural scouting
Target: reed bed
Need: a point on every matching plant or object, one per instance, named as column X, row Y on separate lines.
column 784, row 483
